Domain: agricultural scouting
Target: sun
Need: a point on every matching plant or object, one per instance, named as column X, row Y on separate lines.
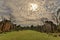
column 33, row 6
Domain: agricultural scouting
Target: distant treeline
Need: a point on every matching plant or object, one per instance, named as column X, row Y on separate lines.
column 48, row 27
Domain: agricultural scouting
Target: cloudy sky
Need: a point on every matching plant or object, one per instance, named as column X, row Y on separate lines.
column 28, row 12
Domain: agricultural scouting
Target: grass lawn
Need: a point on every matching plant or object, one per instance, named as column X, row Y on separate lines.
column 27, row 35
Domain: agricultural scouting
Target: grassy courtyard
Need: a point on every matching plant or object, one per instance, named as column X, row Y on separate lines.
column 27, row 35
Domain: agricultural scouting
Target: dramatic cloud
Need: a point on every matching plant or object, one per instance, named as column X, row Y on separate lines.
column 20, row 10
column 52, row 5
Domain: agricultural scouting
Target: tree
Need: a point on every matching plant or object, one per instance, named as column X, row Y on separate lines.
column 57, row 19
column 32, row 27
column 57, row 16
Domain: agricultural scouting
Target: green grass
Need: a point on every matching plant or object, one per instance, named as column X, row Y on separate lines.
column 27, row 35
